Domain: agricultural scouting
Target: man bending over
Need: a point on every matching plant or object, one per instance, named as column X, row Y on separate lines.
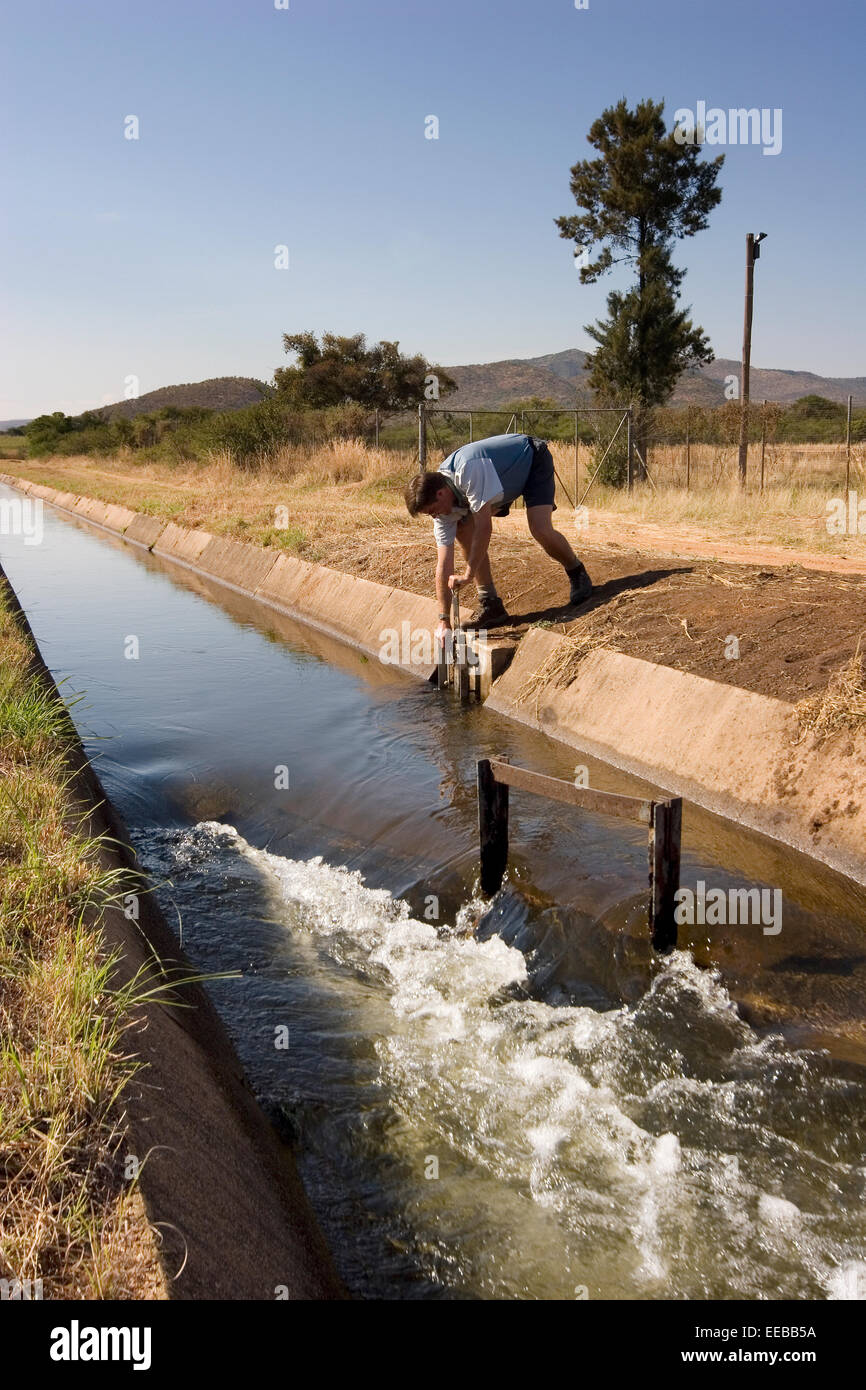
column 474, row 484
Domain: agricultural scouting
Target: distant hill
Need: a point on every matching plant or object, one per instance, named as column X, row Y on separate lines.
column 562, row 376
column 768, row 383
column 217, row 393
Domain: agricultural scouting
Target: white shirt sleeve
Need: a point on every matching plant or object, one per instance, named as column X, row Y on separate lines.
column 445, row 527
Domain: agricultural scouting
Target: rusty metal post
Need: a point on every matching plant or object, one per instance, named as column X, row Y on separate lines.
column 492, row 828
column 664, row 872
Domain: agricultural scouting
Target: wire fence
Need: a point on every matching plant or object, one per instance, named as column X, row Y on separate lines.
column 691, row 448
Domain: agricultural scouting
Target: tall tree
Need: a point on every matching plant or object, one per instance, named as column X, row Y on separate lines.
column 341, row 370
column 644, row 192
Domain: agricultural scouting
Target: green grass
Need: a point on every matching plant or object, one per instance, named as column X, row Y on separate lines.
column 292, row 538
column 64, row 1062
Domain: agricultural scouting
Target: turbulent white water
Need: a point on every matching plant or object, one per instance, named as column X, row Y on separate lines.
column 519, row 1148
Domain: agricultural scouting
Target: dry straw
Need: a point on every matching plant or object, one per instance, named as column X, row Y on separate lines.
column 841, row 706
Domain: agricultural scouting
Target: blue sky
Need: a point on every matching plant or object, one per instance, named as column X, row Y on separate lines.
column 305, row 127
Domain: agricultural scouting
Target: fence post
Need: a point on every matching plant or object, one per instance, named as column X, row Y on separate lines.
column 576, row 460
column 848, row 456
column 630, row 448
column 664, row 872
column 377, row 427
column 688, row 452
column 492, row 828
column 422, row 439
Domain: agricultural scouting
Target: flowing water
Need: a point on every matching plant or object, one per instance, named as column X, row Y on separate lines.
column 487, row 1100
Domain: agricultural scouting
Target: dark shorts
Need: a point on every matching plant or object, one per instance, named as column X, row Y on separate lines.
column 541, row 483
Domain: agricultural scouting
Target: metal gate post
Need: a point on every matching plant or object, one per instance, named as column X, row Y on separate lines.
column 492, row 828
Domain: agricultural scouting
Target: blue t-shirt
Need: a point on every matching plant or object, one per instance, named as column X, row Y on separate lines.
column 488, row 470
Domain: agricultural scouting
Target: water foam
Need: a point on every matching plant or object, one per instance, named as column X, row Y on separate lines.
column 645, row 1138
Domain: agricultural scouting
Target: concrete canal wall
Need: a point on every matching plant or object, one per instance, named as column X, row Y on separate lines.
column 726, row 749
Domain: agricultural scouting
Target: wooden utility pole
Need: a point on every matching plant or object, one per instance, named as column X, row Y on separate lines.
column 746, row 362
column 753, row 251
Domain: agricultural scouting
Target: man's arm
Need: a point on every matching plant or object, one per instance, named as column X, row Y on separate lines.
column 444, row 571
column 482, row 530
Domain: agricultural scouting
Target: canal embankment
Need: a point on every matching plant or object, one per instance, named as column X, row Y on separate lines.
column 737, row 752
column 113, row 1049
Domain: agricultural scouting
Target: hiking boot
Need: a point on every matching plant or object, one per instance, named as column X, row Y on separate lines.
column 580, row 585
column 489, row 614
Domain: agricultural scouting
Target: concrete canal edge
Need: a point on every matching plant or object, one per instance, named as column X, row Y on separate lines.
column 219, row 1187
column 724, row 748
column 375, row 618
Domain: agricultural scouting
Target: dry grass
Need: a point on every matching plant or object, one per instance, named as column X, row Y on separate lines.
column 308, row 504
column 324, row 503
column 67, row 1217
column 791, row 510
column 599, row 630
column 842, row 706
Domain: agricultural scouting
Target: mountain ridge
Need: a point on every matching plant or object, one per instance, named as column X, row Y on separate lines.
column 560, row 376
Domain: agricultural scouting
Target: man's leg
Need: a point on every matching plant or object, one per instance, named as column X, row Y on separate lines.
column 484, row 577
column 541, row 528
column 492, row 608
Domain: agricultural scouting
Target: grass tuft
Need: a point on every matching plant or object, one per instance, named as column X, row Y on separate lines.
column 68, row 1217
column 841, row 706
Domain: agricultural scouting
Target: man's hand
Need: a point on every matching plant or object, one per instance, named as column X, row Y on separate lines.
column 459, row 581
column 443, row 633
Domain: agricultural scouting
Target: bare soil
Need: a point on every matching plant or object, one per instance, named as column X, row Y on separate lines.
column 795, row 623
column 670, row 593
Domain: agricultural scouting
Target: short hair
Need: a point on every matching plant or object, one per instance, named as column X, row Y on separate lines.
column 422, row 489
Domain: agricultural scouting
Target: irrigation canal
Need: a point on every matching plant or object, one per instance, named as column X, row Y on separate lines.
column 539, row 1110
